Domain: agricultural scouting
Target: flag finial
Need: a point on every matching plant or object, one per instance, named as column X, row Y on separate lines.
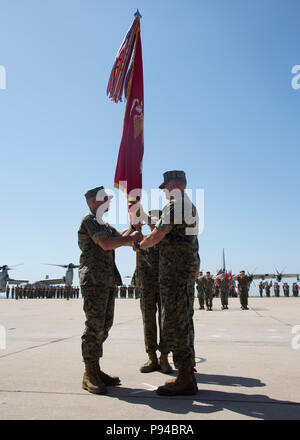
column 137, row 14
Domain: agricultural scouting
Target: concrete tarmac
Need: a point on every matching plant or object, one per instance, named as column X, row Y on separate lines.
column 248, row 363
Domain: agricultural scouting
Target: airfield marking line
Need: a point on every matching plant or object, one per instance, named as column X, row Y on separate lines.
column 282, row 322
column 155, row 396
column 272, row 317
column 36, row 346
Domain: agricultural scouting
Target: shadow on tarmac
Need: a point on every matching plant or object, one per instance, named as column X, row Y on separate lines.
column 257, row 406
column 233, row 381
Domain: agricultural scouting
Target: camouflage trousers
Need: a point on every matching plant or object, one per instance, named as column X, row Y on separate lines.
column 224, row 298
column 177, row 310
column 150, row 305
column 200, row 294
column 98, row 305
column 244, row 298
column 208, row 298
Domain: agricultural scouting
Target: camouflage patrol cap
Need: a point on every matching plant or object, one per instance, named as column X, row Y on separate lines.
column 93, row 193
column 171, row 175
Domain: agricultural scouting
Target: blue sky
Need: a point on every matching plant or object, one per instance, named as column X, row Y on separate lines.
column 218, row 104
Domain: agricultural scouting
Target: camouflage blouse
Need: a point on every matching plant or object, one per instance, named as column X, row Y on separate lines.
column 97, row 266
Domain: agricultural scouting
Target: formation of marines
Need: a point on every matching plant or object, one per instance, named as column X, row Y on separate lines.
column 170, row 292
column 34, row 292
column 276, row 288
column 209, row 287
column 205, row 295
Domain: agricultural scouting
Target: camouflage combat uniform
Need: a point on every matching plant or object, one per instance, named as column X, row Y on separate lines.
column 286, row 289
column 224, row 288
column 209, row 292
column 123, row 290
column 200, row 290
column 260, row 288
column 268, row 289
column 150, row 299
column 244, row 284
column 130, row 290
column 98, row 275
column 295, row 289
column 276, row 289
column 178, row 269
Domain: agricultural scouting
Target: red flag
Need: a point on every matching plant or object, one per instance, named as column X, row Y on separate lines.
column 128, row 175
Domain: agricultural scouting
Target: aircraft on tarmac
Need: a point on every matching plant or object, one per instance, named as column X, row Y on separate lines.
column 5, row 279
column 67, row 279
column 278, row 275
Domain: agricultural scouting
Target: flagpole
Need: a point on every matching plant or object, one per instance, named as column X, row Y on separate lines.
column 138, row 227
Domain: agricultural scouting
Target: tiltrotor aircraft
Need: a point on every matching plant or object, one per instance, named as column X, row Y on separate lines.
column 5, row 279
column 67, row 279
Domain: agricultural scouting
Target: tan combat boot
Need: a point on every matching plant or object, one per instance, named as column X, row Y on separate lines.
column 91, row 381
column 106, row 378
column 193, row 370
column 164, row 364
column 151, row 364
column 183, row 385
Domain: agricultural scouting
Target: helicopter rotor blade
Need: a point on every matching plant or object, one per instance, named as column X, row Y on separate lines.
column 58, row 265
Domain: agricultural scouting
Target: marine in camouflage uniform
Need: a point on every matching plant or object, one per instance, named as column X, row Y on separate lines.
column 130, row 290
column 123, row 290
column 224, row 288
column 176, row 232
column 200, row 285
column 243, row 285
column 268, row 289
column 295, row 289
column 98, row 275
column 209, row 291
column 148, row 270
column 286, row 289
column 276, row 289
column 261, row 288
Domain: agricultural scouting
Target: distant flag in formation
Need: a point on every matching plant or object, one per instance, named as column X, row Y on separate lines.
column 129, row 78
